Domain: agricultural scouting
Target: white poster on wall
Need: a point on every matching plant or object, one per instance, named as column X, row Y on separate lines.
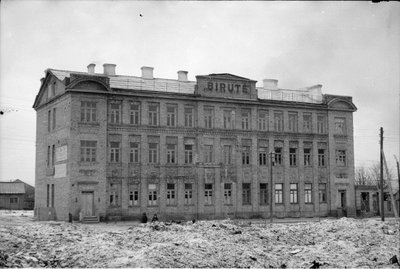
column 61, row 153
column 60, row 170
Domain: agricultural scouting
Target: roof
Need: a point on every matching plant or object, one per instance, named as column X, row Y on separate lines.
column 12, row 187
column 136, row 83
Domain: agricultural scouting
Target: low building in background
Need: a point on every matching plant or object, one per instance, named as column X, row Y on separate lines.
column 16, row 195
column 119, row 146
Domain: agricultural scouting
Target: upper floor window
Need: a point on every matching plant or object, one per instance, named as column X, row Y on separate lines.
column 262, row 120
column 307, row 123
column 245, row 155
column 228, row 118
column 188, row 154
column 340, row 126
column 171, row 115
column 227, row 154
column 321, row 129
column 245, row 119
column 262, row 155
column 134, row 113
column 171, row 153
column 134, row 154
column 321, row 157
column 88, row 151
column 293, row 120
column 208, row 117
column 278, row 156
column 49, row 120
column 153, row 153
column 115, row 113
column 154, row 114
column 54, row 117
column 208, row 153
column 88, row 111
column 115, row 152
column 292, row 156
column 340, row 157
column 307, row 156
column 278, row 121
column 189, row 115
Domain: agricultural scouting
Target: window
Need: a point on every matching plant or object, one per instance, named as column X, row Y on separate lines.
column 208, row 117
column 134, row 154
column 278, row 193
column 293, row 193
column 153, row 114
column 246, row 192
column 263, row 193
column 153, row 153
column 48, row 155
column 245, row 155
column 88, row 151
column 88, row 111
column 307, row 157
column 321, row 157
column 227, row 193
column 262, row 120
column 245, row 119
column 188, row 116
column 227, row 154
column 262, row 156
column 114, row 152
column 52, row 195
column 54, row 118
column 292, row 156
column 293, row 122
column 171, row 115
column 115, row 113
column 188, row 194
column 114, row 198
column 134, row 198
column 171, row 194
column 152, row 194
column 48, row 196
column 228, row 119
column 53, row 154
column 278, row 121
column 49, row 120
column 278, row 156
column 171, row 153
column 340, row 157
column 308, row 193
column 321, row 124
column 322, row 192
column 307, row 126
column 208, row 194
column 13, row 200
column 188, row 154
column 53, row 89
column 208, row 154
column 134, row 114
column 340, row 126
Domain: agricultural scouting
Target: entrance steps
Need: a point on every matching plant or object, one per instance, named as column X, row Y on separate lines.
column 90, row 219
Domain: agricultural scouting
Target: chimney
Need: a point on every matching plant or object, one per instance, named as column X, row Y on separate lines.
column 90, row 68
column 270, row 84
column 315, row 90
column 109, row 69
column 182, row 75
column 147, row 72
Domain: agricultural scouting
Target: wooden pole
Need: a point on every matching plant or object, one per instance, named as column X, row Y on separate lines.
column 381, row 172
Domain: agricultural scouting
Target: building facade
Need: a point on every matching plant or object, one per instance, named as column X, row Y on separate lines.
column 16, row 195
column 112, row 145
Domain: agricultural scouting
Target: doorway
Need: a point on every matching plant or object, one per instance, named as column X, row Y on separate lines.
column 343, row 202
column 87, row 203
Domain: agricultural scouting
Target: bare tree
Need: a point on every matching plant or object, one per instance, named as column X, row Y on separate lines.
column 362, row 176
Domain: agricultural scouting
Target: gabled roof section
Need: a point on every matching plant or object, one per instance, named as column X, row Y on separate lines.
column 225, row 76
column 338, row 102
column 12, row 187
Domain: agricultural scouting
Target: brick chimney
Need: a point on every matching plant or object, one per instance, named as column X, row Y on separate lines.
column 109, row 69
column 147, row 72
column 90, row 68
column 270, row 84
column 182, row 75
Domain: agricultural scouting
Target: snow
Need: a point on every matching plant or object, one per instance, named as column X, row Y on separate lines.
column 220, row 243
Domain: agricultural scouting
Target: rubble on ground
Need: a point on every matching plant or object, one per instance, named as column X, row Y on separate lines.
column 221, row 243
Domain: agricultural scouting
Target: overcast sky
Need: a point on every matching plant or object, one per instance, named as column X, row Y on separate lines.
column 351, row 48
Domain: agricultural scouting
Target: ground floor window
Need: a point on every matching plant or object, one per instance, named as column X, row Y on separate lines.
column 134, row 198
column 263, row 193
column 227, row 193
column 293, row 193
column 246, row 188
column 188, row 193
column 171, row 194
column 152, row 194
column 278, row 193
column 322, row 192
column 13, row 200
column 308, row 193
column 208, row 194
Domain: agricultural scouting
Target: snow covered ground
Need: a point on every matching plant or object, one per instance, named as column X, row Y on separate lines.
column 344, row 242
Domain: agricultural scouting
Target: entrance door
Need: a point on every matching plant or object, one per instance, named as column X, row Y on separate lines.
column 343, row 204
column 87, row 203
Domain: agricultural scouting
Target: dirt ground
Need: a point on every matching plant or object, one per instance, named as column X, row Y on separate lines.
column 333, row 243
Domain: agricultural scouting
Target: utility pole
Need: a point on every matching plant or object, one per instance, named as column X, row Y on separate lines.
column 381, row 168
column 271, row 156
column 398, row 178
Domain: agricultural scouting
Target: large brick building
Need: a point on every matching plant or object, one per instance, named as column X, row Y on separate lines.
column 111, row 145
